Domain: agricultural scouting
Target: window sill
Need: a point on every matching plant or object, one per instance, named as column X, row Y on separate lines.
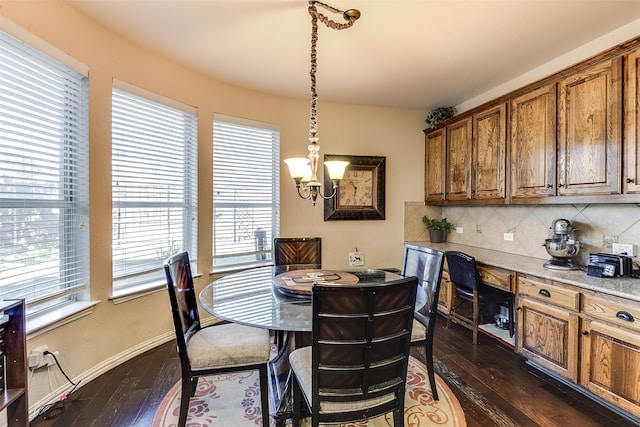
column 132, row 293
column 53, row 319
column 140, row 291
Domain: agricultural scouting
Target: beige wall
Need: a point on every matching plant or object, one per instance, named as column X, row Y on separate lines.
column 114, row 332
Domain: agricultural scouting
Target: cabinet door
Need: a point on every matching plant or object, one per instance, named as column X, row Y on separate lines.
column 611, row 364
column 533, row 144
column 444, row 299
column 548, row 336
column 590, row 130
column 631, row 176
column 458, row 179
column 434, row 163
column 489, row 154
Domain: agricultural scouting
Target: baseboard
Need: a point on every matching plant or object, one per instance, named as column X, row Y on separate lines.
column 624, row 414
column 100, row 369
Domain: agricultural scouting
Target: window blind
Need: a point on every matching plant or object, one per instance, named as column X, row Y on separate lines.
column 246, row 191
column 44, row 233
column 154, row 189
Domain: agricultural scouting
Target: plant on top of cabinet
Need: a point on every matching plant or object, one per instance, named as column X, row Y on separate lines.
column 438, row 115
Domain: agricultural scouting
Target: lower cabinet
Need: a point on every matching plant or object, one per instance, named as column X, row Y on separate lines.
column 589, row 338
column 610, row 366
column 444, row 299
column 548, row 335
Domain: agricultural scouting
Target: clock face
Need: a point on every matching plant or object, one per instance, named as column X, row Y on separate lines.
column 356, row 188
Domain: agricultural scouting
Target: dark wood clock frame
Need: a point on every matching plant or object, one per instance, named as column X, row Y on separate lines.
column 376, row 211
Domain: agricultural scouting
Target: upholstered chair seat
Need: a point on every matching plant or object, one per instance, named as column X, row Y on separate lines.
column 235, row 345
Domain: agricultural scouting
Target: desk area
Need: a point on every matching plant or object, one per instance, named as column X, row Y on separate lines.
column 581, row 329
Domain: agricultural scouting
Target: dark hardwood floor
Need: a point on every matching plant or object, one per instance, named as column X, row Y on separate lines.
column 494, row 385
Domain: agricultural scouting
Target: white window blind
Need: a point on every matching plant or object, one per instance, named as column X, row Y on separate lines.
column 246, row 191
column 154, row 189
column 44, row 233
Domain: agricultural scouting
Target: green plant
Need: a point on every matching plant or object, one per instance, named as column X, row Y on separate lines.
column 434, row 224
column 439, row 115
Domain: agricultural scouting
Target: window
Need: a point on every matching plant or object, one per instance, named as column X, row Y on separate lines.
column 44, row 233
column 154, row 187
column 246, row 191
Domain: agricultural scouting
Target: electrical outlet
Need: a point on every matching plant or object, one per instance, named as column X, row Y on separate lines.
column 459, row 230
column 356, row 259
column 624, row 249
column 36, row 357
column 508, row 236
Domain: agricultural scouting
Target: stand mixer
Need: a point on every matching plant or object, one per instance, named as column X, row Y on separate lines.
column 561, row 245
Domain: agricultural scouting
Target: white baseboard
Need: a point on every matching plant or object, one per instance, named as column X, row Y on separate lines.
column 100, row 369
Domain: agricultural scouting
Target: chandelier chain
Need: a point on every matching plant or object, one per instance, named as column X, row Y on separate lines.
column 315, row 17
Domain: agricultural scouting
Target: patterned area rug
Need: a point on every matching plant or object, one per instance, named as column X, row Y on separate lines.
column 233, row 400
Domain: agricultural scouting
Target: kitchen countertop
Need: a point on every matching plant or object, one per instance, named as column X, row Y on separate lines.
column 625, row 287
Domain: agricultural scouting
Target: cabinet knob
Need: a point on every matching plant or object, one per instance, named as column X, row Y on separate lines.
column 549, row 186
column 629, row 180
column 560, row 185
column 585, row 333
column 544, row 293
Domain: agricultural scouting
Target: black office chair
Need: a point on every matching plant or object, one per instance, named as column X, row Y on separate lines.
column 356, row 367
column 468, row 285
column 426, row 264
column 214, row 349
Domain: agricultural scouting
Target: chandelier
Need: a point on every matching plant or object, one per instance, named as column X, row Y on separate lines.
column 304, row 169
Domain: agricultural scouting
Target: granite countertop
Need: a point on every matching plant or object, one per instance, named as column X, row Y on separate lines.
column 625, row 287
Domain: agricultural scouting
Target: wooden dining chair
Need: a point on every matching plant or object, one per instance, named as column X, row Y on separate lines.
column 356, row 367
column 214, row 349
column 426, row 264
column 298, row 251
column 468, row 285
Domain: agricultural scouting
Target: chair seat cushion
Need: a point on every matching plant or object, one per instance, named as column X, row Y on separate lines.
column 300, row 361
column 228, row 345
column 418, row 331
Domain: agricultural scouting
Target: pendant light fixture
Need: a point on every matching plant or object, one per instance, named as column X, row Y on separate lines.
column 304, row 169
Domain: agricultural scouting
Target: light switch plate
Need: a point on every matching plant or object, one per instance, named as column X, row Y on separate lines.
column 356, row 259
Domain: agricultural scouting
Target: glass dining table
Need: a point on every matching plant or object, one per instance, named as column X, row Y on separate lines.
column 279, row 299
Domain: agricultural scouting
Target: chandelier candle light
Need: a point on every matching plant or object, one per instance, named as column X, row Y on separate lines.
column 304, row 169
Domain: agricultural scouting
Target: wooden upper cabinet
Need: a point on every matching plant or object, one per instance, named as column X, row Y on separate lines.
column 489, row 154
column 435, row 157
column 590, row 130
column 631, row 175
column 458, row 169
column 533, row 144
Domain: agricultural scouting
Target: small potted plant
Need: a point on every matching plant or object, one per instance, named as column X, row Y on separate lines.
column 437, row 228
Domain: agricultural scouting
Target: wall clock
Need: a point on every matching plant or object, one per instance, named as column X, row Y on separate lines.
column 360, row 193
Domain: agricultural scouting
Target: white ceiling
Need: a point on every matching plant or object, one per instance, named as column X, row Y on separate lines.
column 401, row 53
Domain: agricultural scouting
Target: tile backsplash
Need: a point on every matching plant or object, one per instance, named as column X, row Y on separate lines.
column 596, row 226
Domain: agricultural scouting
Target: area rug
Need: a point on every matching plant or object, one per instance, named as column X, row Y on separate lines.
column 233, row 400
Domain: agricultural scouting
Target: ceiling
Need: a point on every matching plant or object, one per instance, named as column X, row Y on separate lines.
column 401, row 53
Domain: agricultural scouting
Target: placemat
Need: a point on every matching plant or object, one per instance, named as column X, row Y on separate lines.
column 300, row 282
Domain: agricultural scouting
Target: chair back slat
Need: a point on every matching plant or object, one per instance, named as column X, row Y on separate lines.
column 297, row 250
column 361, row 338
column 184, row 306
column 426, row 264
